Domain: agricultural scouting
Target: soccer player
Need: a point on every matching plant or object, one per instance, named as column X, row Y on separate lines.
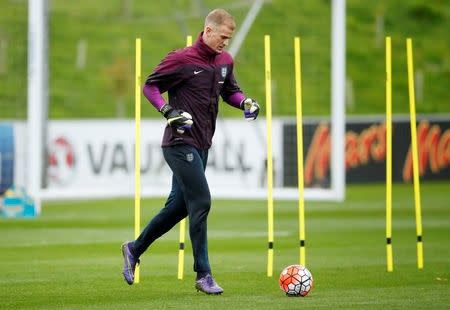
column 194, row 78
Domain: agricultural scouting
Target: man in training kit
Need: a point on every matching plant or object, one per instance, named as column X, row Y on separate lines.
column 194, row 78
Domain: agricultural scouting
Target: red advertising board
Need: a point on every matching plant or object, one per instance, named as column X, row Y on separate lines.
column 365, row 151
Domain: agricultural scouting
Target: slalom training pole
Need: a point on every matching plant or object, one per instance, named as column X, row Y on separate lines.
column 137, row 150
column 414, row 150
column 269, row 155
column 389, row 256
column 301, row 200
column 183, row 221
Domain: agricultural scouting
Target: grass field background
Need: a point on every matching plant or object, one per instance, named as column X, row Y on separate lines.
column 69, row 257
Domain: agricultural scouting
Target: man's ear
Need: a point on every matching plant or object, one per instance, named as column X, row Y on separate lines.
column 208, row 30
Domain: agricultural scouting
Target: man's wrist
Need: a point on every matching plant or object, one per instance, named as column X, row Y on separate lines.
column 166, row 109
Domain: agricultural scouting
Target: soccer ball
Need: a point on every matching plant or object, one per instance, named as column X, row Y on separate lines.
column 296, row 280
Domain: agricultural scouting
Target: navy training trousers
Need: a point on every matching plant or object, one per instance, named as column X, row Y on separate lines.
column 189, row 196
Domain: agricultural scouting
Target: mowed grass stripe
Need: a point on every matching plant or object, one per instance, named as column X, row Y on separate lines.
column 69, row 257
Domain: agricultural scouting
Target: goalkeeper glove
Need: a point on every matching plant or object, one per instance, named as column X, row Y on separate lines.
column 251, row 109
column 177, row 119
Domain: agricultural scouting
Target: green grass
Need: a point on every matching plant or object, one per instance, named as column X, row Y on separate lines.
column 108, row 77
column 69, row 257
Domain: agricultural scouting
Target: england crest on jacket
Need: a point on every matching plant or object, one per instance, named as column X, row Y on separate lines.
column 224, row 71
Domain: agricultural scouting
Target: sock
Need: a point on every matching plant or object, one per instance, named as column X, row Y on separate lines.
column 202, row 274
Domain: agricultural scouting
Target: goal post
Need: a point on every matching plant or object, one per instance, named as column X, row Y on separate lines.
column 338, row 76
column 335, row 188
column 37, row 104
column 37, row 135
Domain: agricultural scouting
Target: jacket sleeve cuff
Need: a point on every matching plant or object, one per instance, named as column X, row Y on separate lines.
column 236, row 99
column 152, row 93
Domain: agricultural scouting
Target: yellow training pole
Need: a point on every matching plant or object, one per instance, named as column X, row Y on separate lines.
column 298, row 101
column 137, row 150
column 414, row 150
column 389, row 257
column 183, row 221
column 269, row 155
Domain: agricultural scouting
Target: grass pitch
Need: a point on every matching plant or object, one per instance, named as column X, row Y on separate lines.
column 69, row 257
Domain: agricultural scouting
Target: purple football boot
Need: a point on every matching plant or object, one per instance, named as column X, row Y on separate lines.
column 208, row 285
column 129, row 262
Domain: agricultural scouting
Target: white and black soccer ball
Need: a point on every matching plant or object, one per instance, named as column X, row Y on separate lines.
column 296, row 280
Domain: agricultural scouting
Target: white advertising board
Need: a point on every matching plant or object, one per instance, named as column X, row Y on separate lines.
column 96, row 159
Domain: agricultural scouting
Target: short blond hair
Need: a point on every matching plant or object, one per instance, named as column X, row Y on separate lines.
column 218, row 17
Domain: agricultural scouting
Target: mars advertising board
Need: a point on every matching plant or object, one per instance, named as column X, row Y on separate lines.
column 365, row 151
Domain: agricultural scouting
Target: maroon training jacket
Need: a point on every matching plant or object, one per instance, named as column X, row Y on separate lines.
column 194, row 78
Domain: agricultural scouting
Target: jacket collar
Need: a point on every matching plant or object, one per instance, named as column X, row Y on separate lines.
column 203, row 49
